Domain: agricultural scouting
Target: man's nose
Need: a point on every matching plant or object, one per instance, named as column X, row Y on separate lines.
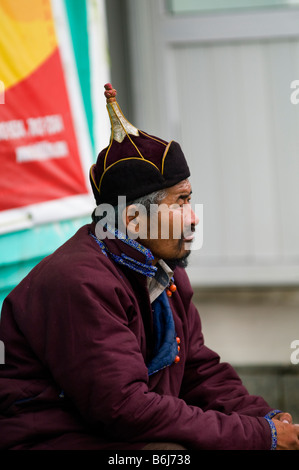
column 190, row 217
column 195, row 218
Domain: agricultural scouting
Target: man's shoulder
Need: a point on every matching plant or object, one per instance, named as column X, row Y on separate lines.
column 79, row 258
column 181, row 275
column 182, row 281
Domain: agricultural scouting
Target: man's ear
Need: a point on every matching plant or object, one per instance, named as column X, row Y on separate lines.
column 131, row 221
column 136, row 220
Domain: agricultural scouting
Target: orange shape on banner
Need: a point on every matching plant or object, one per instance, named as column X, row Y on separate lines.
column 27, row 38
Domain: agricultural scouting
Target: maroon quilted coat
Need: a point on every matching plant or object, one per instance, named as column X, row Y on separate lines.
column 78, row 334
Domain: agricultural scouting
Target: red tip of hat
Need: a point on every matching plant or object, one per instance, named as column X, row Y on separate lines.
column 110, row 93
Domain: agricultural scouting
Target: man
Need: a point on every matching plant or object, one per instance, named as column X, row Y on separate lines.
column 104, row 348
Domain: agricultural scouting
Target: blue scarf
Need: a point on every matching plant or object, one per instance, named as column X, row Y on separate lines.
column 144, row 268
column 166, row 347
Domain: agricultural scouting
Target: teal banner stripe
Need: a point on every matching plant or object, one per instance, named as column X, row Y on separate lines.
column 22, row 250
column 78, row 21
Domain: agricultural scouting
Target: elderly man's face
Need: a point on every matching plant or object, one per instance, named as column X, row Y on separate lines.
column 170, row 229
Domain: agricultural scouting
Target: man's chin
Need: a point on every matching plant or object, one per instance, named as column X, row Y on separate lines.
column 181, row 261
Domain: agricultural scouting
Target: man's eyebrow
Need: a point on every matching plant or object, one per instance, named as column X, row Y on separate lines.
column 184, row 196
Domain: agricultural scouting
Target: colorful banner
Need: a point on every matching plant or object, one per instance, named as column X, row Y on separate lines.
column 39, row 152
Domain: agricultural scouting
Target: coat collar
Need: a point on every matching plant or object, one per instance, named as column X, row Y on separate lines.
column 126, row 251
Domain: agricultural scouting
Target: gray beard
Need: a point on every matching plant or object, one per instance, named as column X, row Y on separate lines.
column 178, row 262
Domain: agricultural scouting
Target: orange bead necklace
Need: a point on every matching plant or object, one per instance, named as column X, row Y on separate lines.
column 171, row 288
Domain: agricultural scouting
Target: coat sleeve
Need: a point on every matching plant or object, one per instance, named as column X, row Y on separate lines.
column 95, row 358
column 212, row 384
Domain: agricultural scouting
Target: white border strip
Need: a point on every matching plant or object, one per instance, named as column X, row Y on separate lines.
column 100, row 70
column 46, row 212
column 243, row 275
column 73, row 85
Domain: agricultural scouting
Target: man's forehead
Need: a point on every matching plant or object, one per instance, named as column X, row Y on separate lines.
column 183, row 186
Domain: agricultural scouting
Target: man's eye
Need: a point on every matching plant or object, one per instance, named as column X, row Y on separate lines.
column 184, row 200
column 176, row 206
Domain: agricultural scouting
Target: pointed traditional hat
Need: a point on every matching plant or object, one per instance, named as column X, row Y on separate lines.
column 135, row 163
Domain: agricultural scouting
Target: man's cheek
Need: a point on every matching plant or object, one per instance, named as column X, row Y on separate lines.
column 176, row 225
column 165, row 226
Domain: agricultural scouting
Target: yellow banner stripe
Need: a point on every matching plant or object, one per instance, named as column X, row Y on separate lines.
column 27, row 38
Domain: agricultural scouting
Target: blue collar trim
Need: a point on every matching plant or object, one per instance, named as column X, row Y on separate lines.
column 166, row 348
column 143, row 268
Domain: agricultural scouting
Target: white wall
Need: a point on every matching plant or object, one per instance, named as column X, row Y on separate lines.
column 220, row 85
column 250, row 327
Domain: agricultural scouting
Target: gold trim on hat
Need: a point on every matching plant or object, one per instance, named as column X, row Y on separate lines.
column 164, row 156
column 153, row 138
column 120, row 128
column 120, row 124
column 119, row 161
